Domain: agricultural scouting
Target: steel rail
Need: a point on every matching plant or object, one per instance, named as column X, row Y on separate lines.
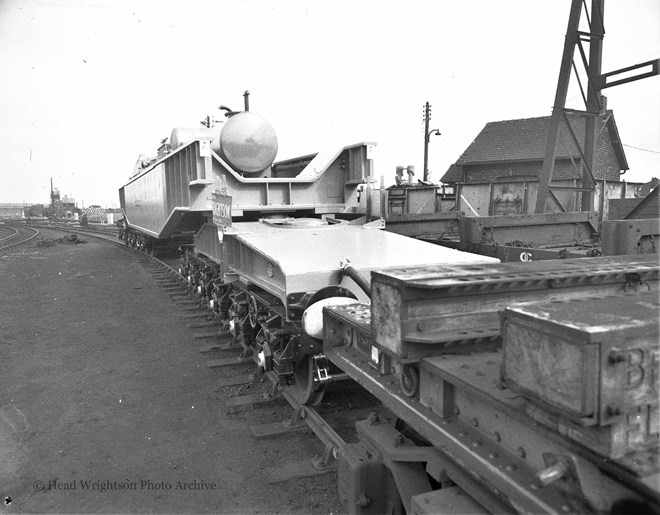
column 23, row 241
column 11, row 235
column 332, row 441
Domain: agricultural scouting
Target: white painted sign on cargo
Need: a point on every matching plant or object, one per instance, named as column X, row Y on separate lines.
column 221, row 209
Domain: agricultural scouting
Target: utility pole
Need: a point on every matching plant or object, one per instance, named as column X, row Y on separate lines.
column 52, row 200
column 427, row 137
column 427, row 118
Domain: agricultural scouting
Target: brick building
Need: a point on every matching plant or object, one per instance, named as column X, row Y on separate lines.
column 13, row 211
column 513, row 150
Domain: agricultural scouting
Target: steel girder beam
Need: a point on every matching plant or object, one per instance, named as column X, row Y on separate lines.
column 596, row 82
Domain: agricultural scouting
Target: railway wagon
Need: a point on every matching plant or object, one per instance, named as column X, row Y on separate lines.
column 524, row 387
column 169, row 198
column 430, row 336
column 279, row 274
column 268, row 244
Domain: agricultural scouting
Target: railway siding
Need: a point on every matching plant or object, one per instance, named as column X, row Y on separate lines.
column 103, row 384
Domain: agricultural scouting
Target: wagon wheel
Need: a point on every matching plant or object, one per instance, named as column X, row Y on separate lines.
column 253, row 310
column 306, row 390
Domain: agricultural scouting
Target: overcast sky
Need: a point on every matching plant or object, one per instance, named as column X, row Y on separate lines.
column 88, row 85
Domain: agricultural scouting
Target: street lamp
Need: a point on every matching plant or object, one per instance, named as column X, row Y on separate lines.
column 427, row 138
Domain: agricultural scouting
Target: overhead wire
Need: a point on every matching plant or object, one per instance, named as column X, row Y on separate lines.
column 642, row 149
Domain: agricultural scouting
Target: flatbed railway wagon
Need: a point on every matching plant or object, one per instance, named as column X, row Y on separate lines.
column 279, row 274
column 523, row 388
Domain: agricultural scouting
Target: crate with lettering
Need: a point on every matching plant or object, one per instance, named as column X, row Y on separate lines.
column 591, row 360
column 426, row 310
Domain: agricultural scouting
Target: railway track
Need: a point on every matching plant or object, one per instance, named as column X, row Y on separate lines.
column 16, row 235
column 246, row 388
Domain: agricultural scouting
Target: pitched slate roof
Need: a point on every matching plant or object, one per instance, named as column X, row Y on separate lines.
column 525, row 140
column 453, row 174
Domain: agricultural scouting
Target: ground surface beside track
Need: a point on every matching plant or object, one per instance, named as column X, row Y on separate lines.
column 100, row 386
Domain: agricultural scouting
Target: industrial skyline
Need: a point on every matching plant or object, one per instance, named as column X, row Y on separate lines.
column 88, row 87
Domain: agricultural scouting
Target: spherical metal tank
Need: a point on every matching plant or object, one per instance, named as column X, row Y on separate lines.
column 248, row 142
column 183, row 135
